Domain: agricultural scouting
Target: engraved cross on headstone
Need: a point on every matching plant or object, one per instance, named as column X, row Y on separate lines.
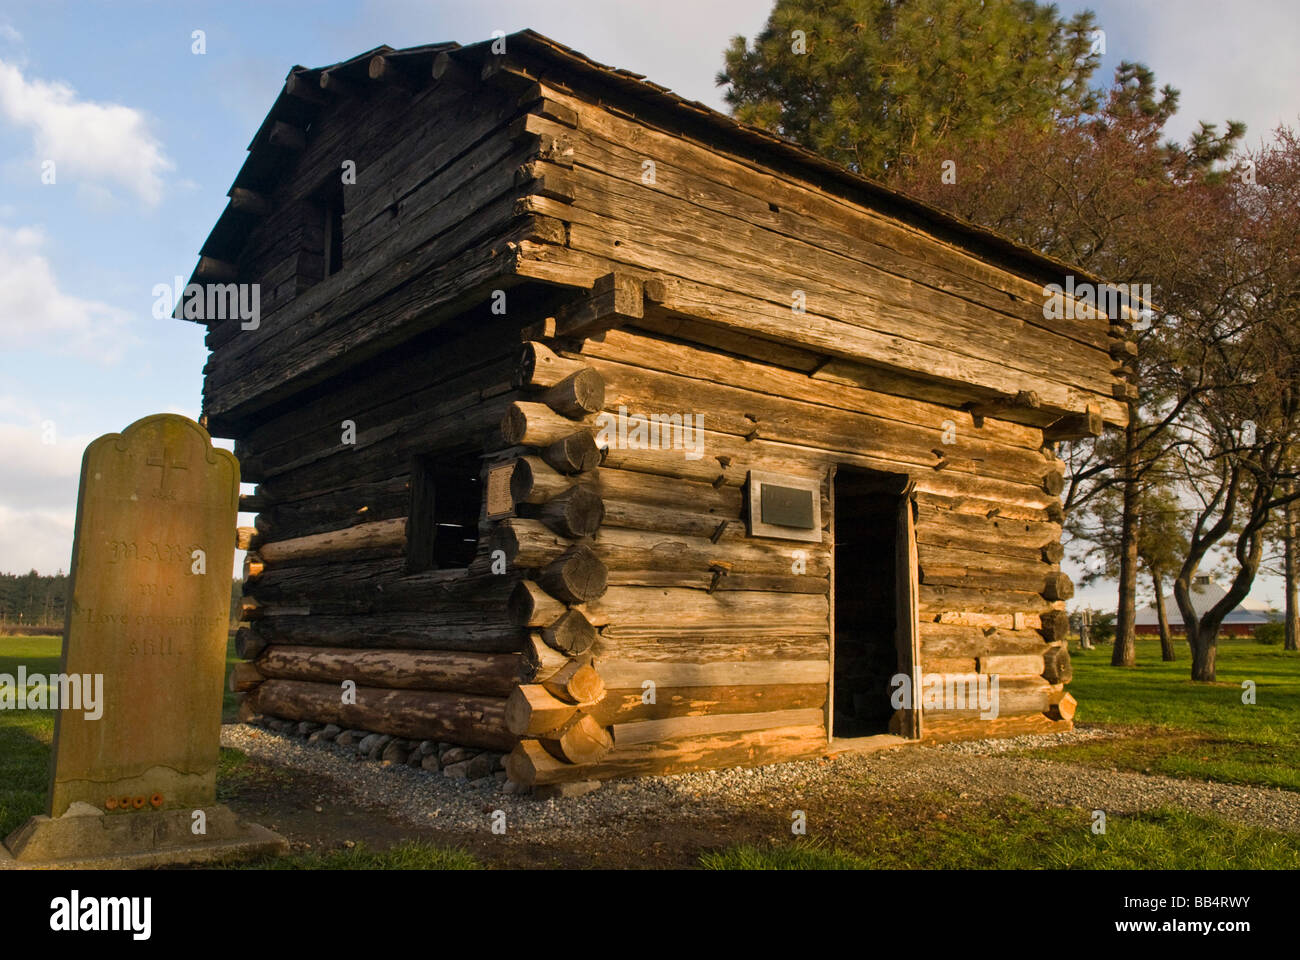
column 161, row 460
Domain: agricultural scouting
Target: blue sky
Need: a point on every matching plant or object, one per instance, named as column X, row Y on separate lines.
column 146, row 137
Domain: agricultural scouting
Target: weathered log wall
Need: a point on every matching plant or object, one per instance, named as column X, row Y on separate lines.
column 737, row 245
column 430, row 226
column 717, row 623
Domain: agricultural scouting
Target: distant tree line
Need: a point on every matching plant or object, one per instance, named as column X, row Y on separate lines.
column 33, row 597
column 42, row 598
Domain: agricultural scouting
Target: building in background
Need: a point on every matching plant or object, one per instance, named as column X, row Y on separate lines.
column 1241, row 622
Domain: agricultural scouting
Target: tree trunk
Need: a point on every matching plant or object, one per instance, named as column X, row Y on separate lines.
column 1162, row 616
column 1292, row 608
column 1204, row 649
column 1124, row 653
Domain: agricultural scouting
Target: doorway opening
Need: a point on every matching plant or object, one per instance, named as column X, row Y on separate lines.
column 874, row 581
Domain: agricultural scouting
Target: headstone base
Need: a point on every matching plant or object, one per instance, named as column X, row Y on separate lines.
column 88, row 839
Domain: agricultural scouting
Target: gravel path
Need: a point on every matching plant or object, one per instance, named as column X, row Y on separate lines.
column 978, row 769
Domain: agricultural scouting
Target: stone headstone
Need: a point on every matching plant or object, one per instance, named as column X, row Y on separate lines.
column 147, row 623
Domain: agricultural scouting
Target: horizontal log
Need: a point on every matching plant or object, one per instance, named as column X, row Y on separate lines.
column 694, row 519
column 572, row 633
column 630, row 608
column 575, row 513
column 949, row 729
column 384, row 587
column 624, row 673
column 1059, row 586
column 1016, row 695
column 575, row 682
column 244, row 677
column 531, row 606
column 337, row 86
column 467, row 719
column 482, row 633
column 529, row 763
column 1057, row 667
column 1064, row 709
column 298, row 87
column 671, row 644
column 862, row 395
column 384, row 69
column 573, row 454
column 541, row 367
column 541, row 660
column 951, row 528
column 1025, row 663
column 950, row 664
column 248, row 643
column 531, row 424
column 248, row 201
column 734, row 409
column 1047, row 582
column 212, row 270
column 1075, row 426
column 577, row 576
column 489, row 674
column 528, row 544
column 670, row 492
column 532, row 710
column 378, row 535
column 1056, row 626
column 672, row 728
column 577, row 395
column 628, row 705
column 936, row 599
column 719, row 580
column 945, row 640
column 536, row 481
column 624, row 549
column 287, row 137
column 582, row 740
column 955, row 561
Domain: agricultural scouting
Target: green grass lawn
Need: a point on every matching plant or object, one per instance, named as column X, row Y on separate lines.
column 1012, row 834
column 1191, row 729
column 26, row 735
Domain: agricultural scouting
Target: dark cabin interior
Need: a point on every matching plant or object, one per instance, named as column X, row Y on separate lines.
column 867, row 506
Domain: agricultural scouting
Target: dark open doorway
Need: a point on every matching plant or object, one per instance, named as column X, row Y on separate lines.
column 872, row 582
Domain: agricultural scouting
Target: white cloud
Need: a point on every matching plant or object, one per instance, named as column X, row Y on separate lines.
column 7, row 32
column 38, row 494
column 39, row 540
column 36, row 314
column 95, row 141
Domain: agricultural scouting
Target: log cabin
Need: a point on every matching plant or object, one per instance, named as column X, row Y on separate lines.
column 593, row 427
